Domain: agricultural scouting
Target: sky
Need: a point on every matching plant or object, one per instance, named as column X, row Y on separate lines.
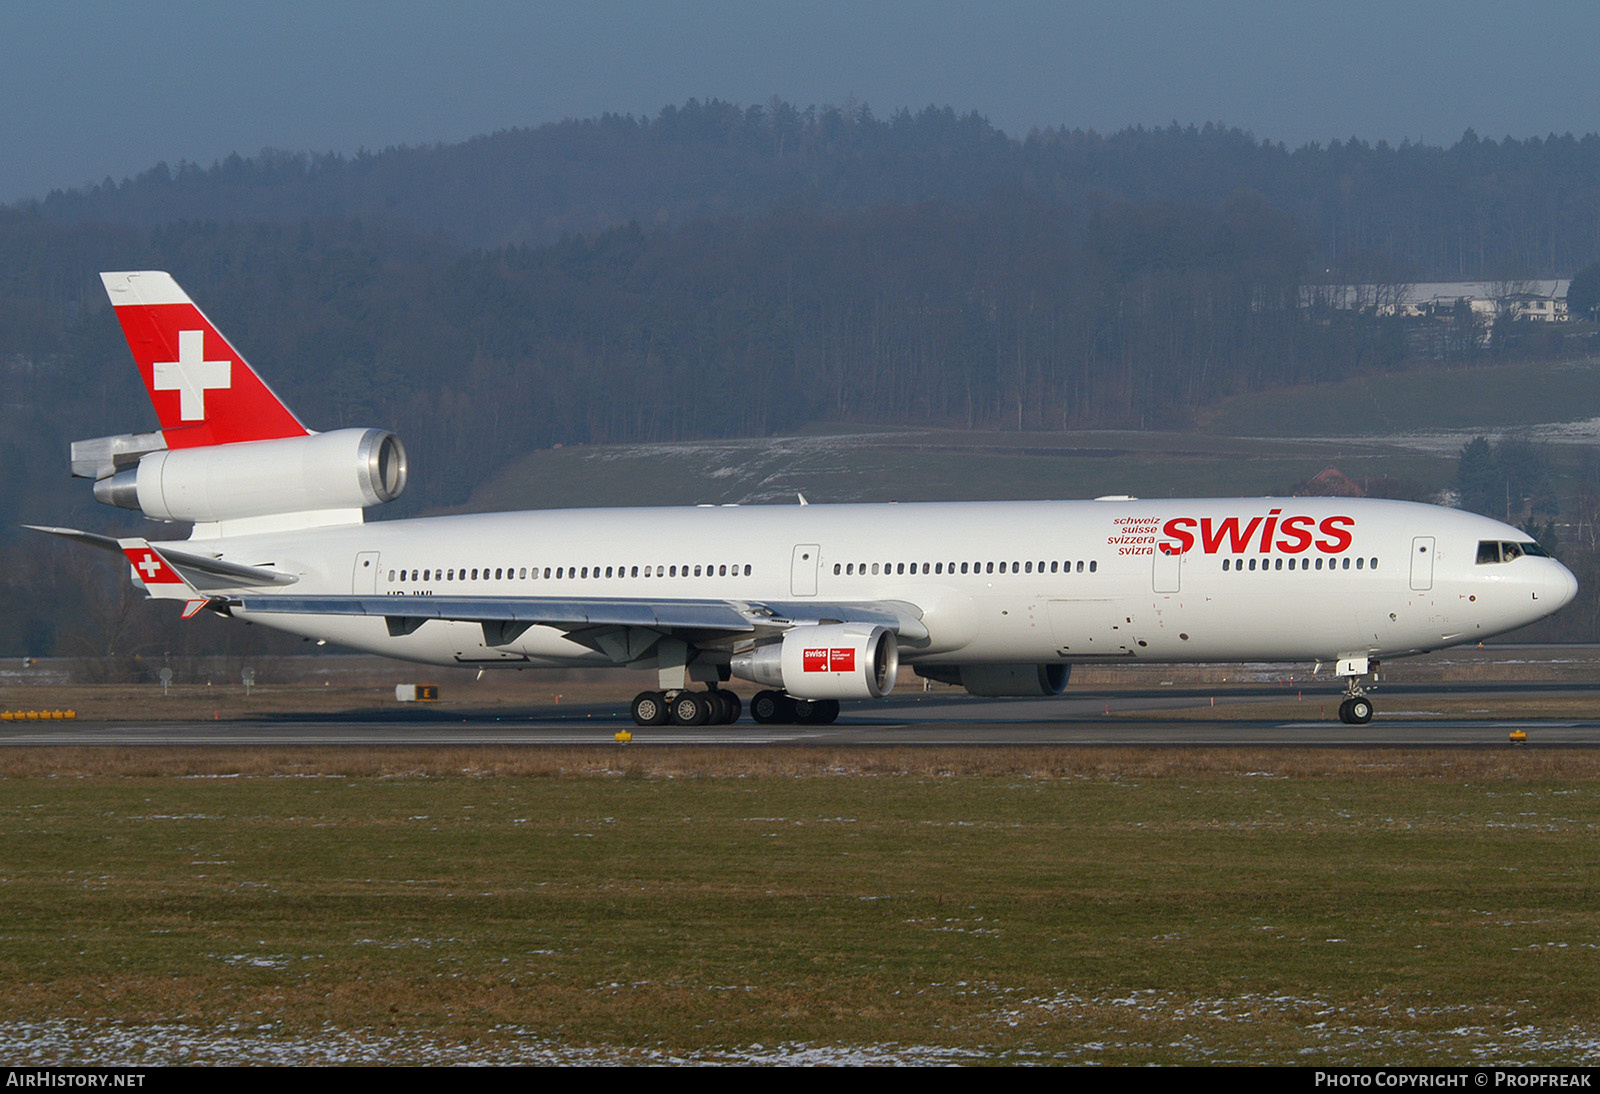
column 97, row 89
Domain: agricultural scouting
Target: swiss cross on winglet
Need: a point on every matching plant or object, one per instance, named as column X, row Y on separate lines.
column 151, row 568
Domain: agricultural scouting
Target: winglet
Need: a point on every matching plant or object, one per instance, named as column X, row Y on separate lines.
column 203, row 391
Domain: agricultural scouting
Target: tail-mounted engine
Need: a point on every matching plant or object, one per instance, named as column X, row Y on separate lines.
column 343, row 469
column 836, row 661
column 1002, row 681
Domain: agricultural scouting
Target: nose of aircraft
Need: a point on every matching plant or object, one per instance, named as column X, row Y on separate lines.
column 1563, row 586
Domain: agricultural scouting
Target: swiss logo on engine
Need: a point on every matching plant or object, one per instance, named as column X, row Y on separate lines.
column 830, row 660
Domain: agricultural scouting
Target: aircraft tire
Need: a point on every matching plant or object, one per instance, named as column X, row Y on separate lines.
column 732, row 707
column 772, row 708
column 649, row 709
column 691, row 708
column 816, row 712
column 1360, row 710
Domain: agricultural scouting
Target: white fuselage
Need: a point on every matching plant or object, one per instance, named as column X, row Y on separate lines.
column 1281, row 579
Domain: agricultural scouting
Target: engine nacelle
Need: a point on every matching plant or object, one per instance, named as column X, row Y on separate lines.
column 836, row 661
column 1002, row 681
column 344, row 469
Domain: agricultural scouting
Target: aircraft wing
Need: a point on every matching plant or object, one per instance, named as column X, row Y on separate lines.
column 503, row 618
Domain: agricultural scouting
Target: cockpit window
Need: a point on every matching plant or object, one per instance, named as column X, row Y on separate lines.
column 1500, row 551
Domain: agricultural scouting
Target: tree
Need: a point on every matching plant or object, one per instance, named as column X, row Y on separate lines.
column 1583, row 294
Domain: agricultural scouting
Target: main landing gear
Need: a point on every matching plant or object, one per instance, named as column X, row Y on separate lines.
column 686, row 708
column 777, row 708
column 718, row 707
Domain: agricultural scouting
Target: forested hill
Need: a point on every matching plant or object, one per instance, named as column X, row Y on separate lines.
column 1480, row 208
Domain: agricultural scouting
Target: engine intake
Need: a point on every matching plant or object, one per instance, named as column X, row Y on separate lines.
column 835, row 661
column 343, row 469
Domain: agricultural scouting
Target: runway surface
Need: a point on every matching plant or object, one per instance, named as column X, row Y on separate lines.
column 1404, row 720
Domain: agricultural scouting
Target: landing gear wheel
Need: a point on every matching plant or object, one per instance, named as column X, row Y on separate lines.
column 729, row 707
column 691, row 708
column 772, row 708
column 816, row 712
column 649, row 709
column 1357, row 711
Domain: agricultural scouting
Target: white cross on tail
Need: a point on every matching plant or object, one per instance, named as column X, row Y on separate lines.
column 191, row 376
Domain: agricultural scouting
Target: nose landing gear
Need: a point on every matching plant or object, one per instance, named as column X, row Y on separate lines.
column 1356, row 710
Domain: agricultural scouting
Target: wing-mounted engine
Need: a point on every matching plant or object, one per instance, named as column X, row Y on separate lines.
column 346, row 469
column 1002, row 681
column 834, row 661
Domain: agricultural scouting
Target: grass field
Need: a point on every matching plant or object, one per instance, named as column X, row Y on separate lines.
column 966, row 905
column 1249, row 445
column 1487, row 397
column 930, row 466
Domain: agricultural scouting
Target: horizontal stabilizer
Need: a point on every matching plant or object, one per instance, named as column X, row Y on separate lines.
column 163, row 566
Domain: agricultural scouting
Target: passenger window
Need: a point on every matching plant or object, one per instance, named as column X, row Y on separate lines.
column 1094, row 565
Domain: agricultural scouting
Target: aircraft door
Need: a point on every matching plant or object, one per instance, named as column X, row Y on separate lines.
column 1422, row 563
column 364, row 579
column 803, row 571
column 1167, row 576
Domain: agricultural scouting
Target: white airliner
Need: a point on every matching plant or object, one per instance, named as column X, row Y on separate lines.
column 818, row 603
